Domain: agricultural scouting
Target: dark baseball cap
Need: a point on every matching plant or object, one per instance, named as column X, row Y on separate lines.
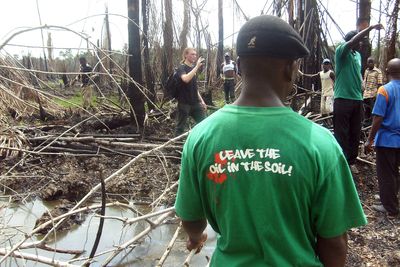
column 350, row 35
column 268, row 35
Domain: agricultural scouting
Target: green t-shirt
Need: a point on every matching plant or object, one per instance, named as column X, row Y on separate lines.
column 348, row 73
column 268, row 181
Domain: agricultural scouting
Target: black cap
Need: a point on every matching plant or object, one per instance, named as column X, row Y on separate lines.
column 350, row 35
column 268, row 35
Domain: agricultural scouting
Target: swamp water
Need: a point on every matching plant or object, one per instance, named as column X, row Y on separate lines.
column 17, row 219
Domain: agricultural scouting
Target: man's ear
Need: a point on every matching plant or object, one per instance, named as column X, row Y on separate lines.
column 289, row 70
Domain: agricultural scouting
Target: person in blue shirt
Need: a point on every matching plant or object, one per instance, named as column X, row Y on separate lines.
column 385, row 135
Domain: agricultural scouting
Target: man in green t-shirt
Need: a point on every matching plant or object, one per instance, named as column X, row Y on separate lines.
column 273, row 185
column 347, row 106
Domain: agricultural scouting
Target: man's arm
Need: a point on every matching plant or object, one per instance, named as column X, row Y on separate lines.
column 195, row 229
column 308, row 75
column 186, row 78
column 359, row 36
column 332, row 251
column 202, row 101
column 332, row 75
column 376, row 124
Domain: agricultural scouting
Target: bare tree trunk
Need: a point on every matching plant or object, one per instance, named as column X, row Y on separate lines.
column 50, row 47
column 363, row 21
column 50, row 52
column 185, row 25
column 197, row 16
column 167, row 59
column 310, row 34
column 379, row 33
column 136, row 97
column 278, row 4
column 108, row 33
column 220, row 37
column 207, row 95
column 146, row 56
column 291, row 12
column 300, row 14
column 391, row 46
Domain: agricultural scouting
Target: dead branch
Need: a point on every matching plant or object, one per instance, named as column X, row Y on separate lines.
column 189, row 257
column 36, row 258
column 91, row 192
column 167, row 210
column 136, row 238
column 166, row 191
column 169, row 247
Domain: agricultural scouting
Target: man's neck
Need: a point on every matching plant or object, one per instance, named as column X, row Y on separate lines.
column 256, row 95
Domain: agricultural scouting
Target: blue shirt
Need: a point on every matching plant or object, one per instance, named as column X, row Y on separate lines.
column 387, row 105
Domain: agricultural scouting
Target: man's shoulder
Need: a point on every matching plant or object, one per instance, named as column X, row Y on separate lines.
column 341, row 46
column 376, row 69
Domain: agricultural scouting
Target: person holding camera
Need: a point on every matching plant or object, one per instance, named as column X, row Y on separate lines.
column 190, row 102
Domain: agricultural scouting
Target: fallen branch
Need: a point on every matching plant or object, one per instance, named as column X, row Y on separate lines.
column 164, row 193
column 37, row 258
column 169, row 247
column 91, row 192
column 366, row 161
column 189, row 257
column 136, row 238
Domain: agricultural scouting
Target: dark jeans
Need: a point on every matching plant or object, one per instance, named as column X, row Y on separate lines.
column 229, row 90
column 185, row 111
column 387, row 168
column 347, row 116
column 368, row 107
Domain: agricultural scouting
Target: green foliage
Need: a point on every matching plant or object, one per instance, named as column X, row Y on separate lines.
column 71, row 102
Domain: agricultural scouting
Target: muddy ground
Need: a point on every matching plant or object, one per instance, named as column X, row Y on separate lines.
column 70, row 178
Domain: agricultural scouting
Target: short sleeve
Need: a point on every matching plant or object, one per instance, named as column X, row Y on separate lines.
column 381, row 102
column 188, row 203
column 340, row 60
column 181, row 70
column 336, row 206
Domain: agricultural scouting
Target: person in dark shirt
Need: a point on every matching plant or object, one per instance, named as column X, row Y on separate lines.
column 87, row 85
column 190, row 102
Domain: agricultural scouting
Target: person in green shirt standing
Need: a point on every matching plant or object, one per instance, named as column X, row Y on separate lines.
column 348, row 96
column 275, row 186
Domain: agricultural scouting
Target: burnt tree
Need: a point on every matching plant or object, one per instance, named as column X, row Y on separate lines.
column 136, row 97
column 391, row 45
column 108, row 40
column 220, row 50
column 185, row 25
column 167, row 56
column 149, row 76
column 363, row 21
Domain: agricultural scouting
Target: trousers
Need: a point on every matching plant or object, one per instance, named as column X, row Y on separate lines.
column 229, row 90
column 185, row 111
column 387, row 169
column 347, row 116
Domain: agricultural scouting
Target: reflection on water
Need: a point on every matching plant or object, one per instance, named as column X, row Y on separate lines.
column 17, row 219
